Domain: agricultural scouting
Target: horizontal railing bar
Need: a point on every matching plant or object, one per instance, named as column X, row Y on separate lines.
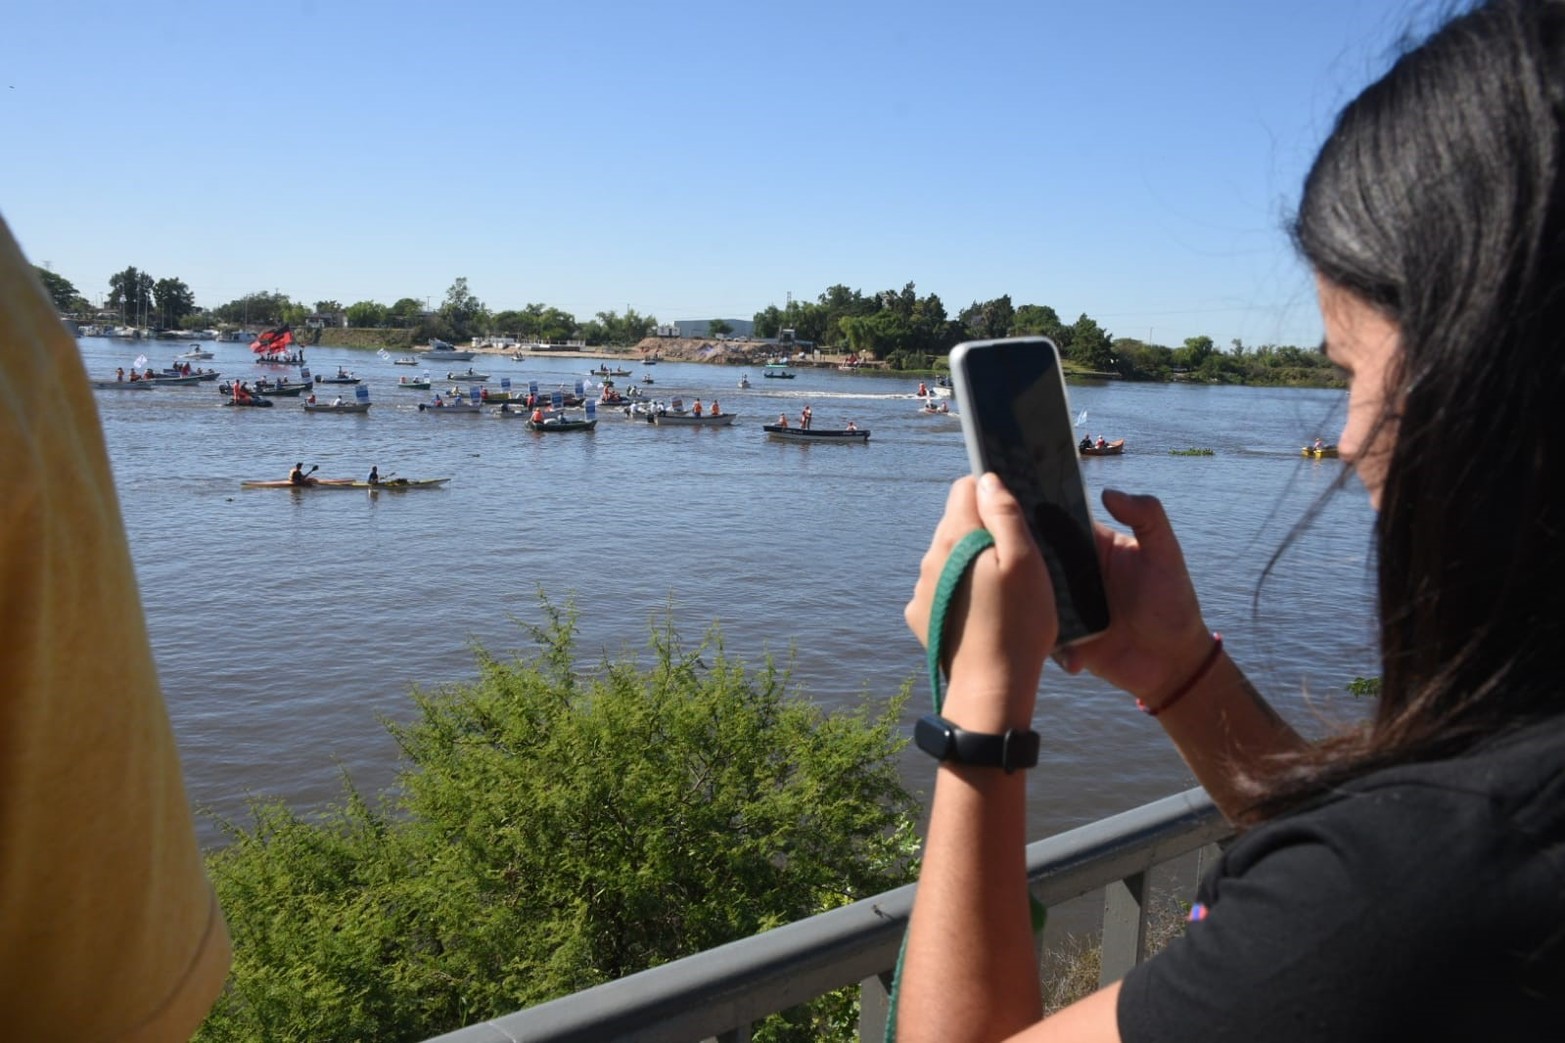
column 712, row 992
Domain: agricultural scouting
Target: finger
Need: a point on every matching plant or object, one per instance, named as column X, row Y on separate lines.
column 1147, row 519
column 1002, row 516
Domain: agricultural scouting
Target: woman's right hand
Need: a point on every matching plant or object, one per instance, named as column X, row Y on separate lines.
column 1156, row 636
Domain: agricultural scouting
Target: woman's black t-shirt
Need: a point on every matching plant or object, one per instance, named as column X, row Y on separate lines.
column 1421, row 902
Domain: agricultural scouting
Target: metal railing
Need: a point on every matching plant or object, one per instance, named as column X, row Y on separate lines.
column 718, row 994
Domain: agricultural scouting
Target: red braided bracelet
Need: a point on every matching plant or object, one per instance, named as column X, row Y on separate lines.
column 1194, row 679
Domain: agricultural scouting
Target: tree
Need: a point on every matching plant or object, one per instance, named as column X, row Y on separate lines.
column 1040, row 320
column 463, row 313
column 718, row 328
column 407, row 312
column 557, row 827
column 131, row 292
column 262, row 308
column 328, row 307
column 368, row 314
column 1091, row 345
column 174, row 301
column 65, row 296
column 989, row 319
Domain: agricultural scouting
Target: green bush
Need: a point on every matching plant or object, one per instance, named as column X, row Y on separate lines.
column 556, row 828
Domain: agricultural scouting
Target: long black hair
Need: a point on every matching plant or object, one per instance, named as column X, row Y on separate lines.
column 1437, row 199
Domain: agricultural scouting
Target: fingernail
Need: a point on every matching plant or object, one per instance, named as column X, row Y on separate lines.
column 988, row 484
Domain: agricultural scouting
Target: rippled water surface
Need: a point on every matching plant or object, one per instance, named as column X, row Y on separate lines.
column 287, row 625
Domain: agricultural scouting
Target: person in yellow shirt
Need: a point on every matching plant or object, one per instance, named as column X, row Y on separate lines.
column 109, row 928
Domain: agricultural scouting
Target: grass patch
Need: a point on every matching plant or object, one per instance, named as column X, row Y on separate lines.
column 1070, row 969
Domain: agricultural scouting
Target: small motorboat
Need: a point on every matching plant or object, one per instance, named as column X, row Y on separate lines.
column 123, row 385
column 477, row 378
column 777, row 374
column 405, row 360
column 416, row 384
column 744, row 382
column 195, row 353
column 1114, row 448
column 336, row 407
column 455, row 406
column 561, row 424
column 256, row 402
column 342, row 376
column 1319, row 452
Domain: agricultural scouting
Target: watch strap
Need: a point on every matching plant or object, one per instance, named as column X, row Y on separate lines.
column 1011, row 750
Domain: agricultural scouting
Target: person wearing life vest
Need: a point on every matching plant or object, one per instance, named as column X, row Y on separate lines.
column 695, row 410
column 716, row 410
column 537, row 416
column 923, row 389
column 1102, row 442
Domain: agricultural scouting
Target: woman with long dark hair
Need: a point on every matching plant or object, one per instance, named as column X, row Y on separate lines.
column 1404, row 879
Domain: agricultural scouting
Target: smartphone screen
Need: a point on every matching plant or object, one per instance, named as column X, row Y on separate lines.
column 1016, row 420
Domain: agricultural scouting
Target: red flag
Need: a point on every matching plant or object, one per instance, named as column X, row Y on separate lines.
column 272, row 341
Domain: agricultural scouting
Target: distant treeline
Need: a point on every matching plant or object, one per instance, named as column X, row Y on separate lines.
column 899, row 327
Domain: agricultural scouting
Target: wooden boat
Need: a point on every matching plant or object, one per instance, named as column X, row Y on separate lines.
column 560, row 424
column 123, row 385
column 1325, row 452
column 692, row 420
column 477, row 378
column 1114, row 448
column 336, row 407
column 841, row 435
column 458, row 406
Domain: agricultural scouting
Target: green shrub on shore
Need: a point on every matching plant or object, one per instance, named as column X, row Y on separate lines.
column 556, row 828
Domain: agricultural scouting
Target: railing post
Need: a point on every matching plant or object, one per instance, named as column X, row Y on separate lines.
column 874, row 1007
column 1124, row 927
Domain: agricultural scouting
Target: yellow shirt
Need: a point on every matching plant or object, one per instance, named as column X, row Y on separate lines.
column 108, row 926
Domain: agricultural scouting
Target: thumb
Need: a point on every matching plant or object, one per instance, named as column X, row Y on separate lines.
column 1002, row 515
column 1147, row 519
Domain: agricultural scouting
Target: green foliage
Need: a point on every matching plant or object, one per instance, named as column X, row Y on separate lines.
column 1364, row 687
column 1192, row 451
column 1091, row 345
column 368, row 315
column 556, row 828
column 718, row 328
column 462, row 315
column 60, row 289
column 173, row 301
column 130, row 291
column 612, row 328
column 260, row 309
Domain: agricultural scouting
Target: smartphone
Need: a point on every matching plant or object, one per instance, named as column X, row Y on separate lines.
column 1016, row 420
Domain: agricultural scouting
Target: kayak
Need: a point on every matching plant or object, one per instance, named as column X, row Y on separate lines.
column 387, row 484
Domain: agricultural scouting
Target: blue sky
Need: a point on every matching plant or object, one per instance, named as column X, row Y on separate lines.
column 1132, row 160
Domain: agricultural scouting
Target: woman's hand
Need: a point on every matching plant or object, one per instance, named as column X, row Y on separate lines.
column 1001, row 623
column 1156, row 635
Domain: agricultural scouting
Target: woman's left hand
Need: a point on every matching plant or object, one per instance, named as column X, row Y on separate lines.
column 1002, row 623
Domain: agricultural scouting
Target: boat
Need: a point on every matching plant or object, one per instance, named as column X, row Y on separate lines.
column 123, row 385
column 605, row 371
column 416, row 384
column 1114, row 448
column 439, row 349
column 1324, row 452
column 930, row 409
column 777, row 374
column 249, row 402
column 671, row 419
column 308, row 483
column 646, row 378
column 477, row 378
column 195, row 353
column 336, row 407
column 744, row 381
column 461, row 406
column 271, row 389
column 561, row 424
column 281, row 360
column 199, row 374
column 405, row 360
column 342, row 377
column 840, row 435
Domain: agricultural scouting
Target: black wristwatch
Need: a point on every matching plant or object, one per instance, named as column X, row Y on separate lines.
column 944, row 741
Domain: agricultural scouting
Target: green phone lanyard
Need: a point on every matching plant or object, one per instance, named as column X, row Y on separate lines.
column 960, row 561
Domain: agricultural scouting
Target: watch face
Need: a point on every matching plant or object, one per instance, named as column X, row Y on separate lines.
column 935, row 737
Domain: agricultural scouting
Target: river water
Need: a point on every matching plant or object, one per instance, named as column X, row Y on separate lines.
column 287, row 625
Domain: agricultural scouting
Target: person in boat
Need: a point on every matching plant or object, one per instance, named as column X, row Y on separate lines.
column 119, row 374
column 782, row 419
column 1101, row 443
column 804, row 418
column 483, row 393
column 716, row 409
column 695, row 410
column 298, row 477
column 336, row 401
column 1086, row 443
column 1320, row 443
column 1400, row 876
column 440, row 403
column 852, row 426
column 537, row 416
column 923, row 389
column 374, row 478
column 310, row 398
